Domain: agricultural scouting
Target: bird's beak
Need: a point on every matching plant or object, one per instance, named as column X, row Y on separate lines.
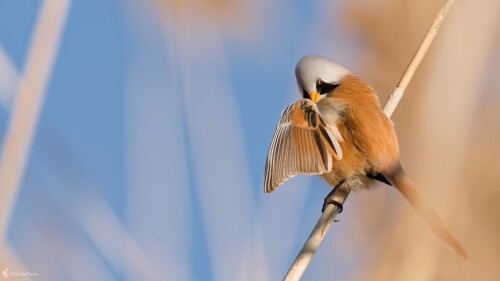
column 314, row 96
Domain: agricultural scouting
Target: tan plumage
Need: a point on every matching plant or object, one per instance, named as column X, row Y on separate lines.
column 339, row 132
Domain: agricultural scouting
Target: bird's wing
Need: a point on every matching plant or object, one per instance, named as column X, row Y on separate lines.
column 302, row 144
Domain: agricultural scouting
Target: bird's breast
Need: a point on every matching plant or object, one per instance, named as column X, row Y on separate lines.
column 331, row 109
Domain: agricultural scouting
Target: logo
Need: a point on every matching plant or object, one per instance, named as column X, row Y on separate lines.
column 6, row 273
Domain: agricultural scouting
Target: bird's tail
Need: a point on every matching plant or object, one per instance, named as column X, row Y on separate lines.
column 403, row 184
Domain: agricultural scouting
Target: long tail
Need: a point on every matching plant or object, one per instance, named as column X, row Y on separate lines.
column 402, row 182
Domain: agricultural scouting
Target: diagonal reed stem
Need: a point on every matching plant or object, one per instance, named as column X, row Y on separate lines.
column 28, row 103
column 319, row 231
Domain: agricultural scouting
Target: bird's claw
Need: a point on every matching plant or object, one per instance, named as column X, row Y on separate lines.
column 328, row 201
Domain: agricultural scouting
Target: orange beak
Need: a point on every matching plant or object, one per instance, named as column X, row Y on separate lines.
column 314, row 96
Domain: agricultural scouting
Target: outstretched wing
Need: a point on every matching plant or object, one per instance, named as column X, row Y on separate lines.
column 302, row 144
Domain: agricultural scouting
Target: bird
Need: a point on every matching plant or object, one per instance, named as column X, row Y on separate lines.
column 337, row 130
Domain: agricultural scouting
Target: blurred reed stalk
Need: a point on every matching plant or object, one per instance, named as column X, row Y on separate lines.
column 200, row 89
column 327, row 217
column 9, row 77
column 27, row 104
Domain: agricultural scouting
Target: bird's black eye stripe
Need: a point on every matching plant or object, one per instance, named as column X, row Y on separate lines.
column 305, row 94
column 324, row 88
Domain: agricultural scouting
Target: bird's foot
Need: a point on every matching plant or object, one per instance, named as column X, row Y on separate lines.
column 329, row 200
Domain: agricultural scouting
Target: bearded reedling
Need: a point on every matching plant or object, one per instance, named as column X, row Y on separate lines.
column 339, row 132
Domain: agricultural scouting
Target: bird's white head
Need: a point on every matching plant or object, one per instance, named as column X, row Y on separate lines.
column 317, row 76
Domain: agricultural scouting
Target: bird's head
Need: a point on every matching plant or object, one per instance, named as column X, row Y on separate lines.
column 318, row 76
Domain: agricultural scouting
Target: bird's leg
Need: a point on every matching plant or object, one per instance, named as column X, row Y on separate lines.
column 329, row 198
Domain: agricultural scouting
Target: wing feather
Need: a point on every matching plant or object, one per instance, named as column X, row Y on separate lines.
column 302, row 144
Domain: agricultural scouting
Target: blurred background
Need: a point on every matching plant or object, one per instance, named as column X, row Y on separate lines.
column 134, row 134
